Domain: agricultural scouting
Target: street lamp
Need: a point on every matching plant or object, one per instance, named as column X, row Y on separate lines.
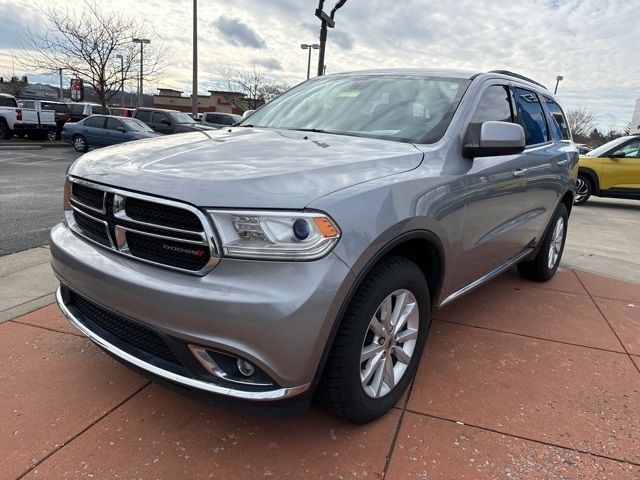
column 306, row 46
column 327, row 21
column 121, row 76
column 559, row 78
column 142, row 42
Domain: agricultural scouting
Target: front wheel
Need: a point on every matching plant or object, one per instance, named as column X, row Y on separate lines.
column 80, row 143
column 584, row 189
column 5, row 133
column 544, row 265
column 379, row 344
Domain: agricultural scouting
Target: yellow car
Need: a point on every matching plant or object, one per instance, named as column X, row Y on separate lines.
column 612, row 170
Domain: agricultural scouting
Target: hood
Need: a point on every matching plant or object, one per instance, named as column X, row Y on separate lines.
column 191, row 127
column 246, row 167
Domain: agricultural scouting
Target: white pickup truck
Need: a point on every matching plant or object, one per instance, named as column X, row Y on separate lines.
column 23, row 121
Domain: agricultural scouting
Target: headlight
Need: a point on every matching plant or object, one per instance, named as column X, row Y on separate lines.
column 275, row 235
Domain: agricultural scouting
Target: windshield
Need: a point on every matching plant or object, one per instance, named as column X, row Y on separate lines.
column 135, row 125
column 601, row 150
column 181, row 118
column 406, row 108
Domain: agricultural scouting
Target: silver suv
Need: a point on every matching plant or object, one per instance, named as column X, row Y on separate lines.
column 304, row 251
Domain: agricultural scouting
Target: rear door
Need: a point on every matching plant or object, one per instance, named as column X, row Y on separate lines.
column 549, row 154
column 496, row 193
column 621, row 169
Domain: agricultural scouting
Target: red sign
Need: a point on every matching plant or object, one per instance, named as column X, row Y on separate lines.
column 77, row 89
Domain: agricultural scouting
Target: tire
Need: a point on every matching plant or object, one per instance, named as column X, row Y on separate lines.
column 52, row 135
column 543, row 267
column 584, row 189
column 5, row 132
column 343, row 389
column 80, row 143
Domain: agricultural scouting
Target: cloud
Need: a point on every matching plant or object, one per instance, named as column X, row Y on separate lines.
column 268, row 63
column 237, row 33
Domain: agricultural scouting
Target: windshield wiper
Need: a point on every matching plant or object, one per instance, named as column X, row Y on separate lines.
column 314, row 130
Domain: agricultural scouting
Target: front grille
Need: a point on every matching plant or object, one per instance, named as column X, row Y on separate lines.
column 133, row 335
column 93, row 229
column 88, row 196
column 149, row 229
column 177, row 254
column 153, row 213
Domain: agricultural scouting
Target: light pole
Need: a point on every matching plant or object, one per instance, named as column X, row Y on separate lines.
column 327, row 21
column 142, row 42
column 559, row 78
column 121, row 76
column 194, row 88
column 306, row 46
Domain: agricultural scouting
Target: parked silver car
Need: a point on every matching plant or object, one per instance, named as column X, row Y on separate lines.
column 305, row 250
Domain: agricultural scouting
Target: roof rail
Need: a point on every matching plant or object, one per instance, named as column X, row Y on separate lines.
column 516, row 75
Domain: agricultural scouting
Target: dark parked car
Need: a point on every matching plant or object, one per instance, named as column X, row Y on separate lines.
column 104, row 130
column 168, row 121
column 61, row 110
column 80, row 111
column 219, row 120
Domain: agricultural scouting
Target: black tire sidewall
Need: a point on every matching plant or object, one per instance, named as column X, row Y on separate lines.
column 542, row 272
column 398, row 274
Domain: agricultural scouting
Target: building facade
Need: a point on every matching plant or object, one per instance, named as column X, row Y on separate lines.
column 216, row 101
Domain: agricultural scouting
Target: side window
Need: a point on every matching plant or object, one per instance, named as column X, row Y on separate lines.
column 158, row 117
column 632, row 150
column 113, row 124
column 143, row 115
column 559, row 123
column 494, row 105
column 531, row 116
column 95, row 122
column 225, row 120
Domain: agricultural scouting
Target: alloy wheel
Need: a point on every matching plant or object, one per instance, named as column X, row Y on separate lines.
column 389, row 343
column 556, row 243
column 582, row 190
column 78, row 144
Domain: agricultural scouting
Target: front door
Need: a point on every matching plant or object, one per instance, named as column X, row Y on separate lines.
column 621, row 169
column 496, row 195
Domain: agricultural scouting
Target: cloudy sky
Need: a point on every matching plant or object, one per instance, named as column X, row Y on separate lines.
column 593, row 43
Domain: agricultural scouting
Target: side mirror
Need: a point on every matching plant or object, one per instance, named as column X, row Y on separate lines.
column 619, row 154
column 166, row 122
column 497, row 138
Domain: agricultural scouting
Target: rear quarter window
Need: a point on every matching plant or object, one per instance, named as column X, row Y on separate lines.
column 558, row 121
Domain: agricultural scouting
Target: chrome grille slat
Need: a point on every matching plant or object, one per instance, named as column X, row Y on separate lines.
column 175, row 255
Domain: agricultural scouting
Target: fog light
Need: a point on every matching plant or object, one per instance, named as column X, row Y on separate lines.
column 245, row 368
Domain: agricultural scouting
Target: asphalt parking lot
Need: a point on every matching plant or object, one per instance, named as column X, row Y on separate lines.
column 31, row 183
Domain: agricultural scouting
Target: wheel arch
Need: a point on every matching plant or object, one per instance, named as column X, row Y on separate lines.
column 421, row 246
column 593, row 176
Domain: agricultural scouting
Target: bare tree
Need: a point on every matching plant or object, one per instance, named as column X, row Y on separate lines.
column 86, row 43
column 255, row 86
column 582, row 123
column 15, row 85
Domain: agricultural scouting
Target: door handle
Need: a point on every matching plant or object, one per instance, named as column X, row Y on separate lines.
column 562, row 163
column 521, row 172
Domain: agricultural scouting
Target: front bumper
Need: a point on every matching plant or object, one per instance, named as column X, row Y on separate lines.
column 276, row 315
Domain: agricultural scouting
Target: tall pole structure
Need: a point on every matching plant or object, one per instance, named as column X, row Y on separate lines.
column 61, row 92
column 142, row 42
column 121, row 78
column 306, row 46
column 327, row 22
column 559, row 78
column 194, row 89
